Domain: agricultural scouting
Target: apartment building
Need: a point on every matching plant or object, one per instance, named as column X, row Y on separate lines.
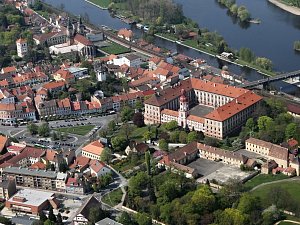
column 31, row 178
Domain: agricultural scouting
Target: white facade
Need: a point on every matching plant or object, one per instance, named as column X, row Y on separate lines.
column 22, row 48
column 101, row 75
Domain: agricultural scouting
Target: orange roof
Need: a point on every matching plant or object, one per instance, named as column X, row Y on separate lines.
column 3, row 83
column 169, row 112
column 3, row 141
column 96, row 165
column 125, row 33
column 195, row 118
column 50, row 155
column 161, row 71
column 235, row 106
column 83, row 40
column 54, row 84
column 21, row 40
column 38, row 165
column 95, row 148
column 9, row 69
column 155, row 60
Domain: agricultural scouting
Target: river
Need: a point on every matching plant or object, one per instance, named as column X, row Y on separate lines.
column 208, row 14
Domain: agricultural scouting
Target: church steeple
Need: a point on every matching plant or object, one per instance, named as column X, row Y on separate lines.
column 80, row 26
column 183, row 108
column 70, row 32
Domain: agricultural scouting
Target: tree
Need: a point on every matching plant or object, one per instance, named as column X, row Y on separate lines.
column 291, row 130
column 111, row 126
column 63, row 167
column 49, row 222
column 237, row 143
column 138, row 183
column 125, row 219
column 265, row 123
column 32, row 128
column 119, row 143
column 138, row 119
column 246, row 54
column 127, row 114
column 203, row 199
column 51, row 215
column 211, row 141
column 192, row 136
column 251, row 206
column 106, row 155
column 59, row 219
column 147, row 136
column 139, row 105
column 174, row 136
column 42, row 216
column 250, row 124
column 234, row 9
column 163, row 144
column 127, row 130
column 147, row 161
column 143, row 219
column 182, row 137
column 172, row 125
column 264, row 63
column 230, row 217
column 44, row 130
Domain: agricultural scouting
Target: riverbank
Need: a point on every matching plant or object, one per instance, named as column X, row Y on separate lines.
column 291, row 9
column 103, row 7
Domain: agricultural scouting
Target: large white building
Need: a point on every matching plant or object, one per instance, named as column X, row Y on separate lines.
column 219, row 109
column 22, row 47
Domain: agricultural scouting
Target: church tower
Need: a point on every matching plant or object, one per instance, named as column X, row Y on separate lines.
column 70, row 33
column 183, row 109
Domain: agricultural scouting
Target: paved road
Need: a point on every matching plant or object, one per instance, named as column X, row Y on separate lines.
column 291, row 221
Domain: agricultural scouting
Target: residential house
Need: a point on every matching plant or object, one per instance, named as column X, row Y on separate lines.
column 64, row 75
column 98, row 168
column 125, row 34
column 3, row 143
column 74, row 185
column 138, row 148
column 82, row 215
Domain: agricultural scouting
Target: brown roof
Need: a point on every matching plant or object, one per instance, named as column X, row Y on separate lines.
column 95, row 148
column 170, row 112
column 195, row 118
column 54, row 84
column 83, row 40
column 21, row 40
column 293, row 108
column 181, row 153
column 38, row 165
column 96, row 165
column 222, row 152
column 9, row 69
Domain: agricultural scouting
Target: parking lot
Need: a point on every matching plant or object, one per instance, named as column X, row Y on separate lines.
column 218, row 171
column 70, row 141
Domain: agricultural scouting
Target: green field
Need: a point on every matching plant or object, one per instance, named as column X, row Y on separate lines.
column 292, row 187
column 113, row 198
column 101, row 3
column 79, row 130
column 263, row 178
column 115, row 49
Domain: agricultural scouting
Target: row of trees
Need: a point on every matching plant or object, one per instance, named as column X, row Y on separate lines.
column 160, row 11
column 275, row 126
column 42, row 130
column 247, row 55
column 238, row 11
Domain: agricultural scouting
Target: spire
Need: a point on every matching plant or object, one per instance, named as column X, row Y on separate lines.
column 69, row 23
column 80, row 20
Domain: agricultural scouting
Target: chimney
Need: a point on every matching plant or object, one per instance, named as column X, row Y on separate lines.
column 214, row 84
column 185, row 153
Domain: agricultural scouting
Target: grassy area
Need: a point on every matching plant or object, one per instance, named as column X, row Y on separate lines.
column 291, row 187
column 101, row 3
column 267, row 72
column 290, row 217
column 113, row 198
column 115, row 49
column 43, row 13
column 79, row 130
column 201, row 47
column 169, row 36
column 263, row 178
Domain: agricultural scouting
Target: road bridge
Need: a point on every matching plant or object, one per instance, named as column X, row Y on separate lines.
column 268, row 80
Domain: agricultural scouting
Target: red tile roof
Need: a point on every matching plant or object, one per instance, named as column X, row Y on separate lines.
column 125, row 33
column 83, row 40
column 170, row 112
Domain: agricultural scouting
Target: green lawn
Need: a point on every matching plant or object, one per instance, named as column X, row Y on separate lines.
column 115, row 49
column 79, row 130
column 113, row 198
column 267, row 72
column 263, row 178
column 101, row 3
column 169, row 36
column 292, row 187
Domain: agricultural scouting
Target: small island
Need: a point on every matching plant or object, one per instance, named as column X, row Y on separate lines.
column 288, row 5
column 297, row 46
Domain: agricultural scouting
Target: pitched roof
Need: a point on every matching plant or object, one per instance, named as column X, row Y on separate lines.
column 9, row 69
column 54, row 84
column 95, row 148
column 96, row 165
column 90, row 203
column 3, row 142
column 83, row 40
column 21, row 40
column 38, row 165
column 237, row 105
column 293, row 108
column 126, row 33
column 196, row 118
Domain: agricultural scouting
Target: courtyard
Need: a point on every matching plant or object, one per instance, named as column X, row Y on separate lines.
column 200, row 110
